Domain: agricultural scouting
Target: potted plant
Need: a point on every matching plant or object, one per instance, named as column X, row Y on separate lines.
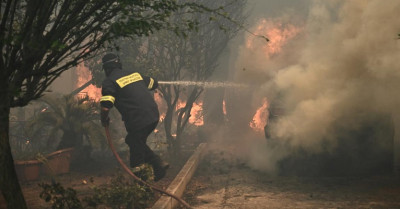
column 28, row 170
column 58, row 162
column 27, row 158
column 28, row 166
column 73, row 121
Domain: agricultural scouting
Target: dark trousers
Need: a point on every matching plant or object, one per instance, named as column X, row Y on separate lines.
column 140, row 153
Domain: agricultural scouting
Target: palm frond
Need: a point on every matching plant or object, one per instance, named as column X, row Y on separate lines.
column 72, row 115
column 95, row 134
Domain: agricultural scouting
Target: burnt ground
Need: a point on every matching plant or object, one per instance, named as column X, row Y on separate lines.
column 223, row 182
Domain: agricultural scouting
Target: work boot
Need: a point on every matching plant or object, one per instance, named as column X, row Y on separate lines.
column 159, row 168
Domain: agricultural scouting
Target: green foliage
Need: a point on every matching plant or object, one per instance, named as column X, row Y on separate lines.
column 119, row 193
column 59, row 197
column 76, row 118
column 30, row 155
column 145, row 172
column 39, row 41
column 57, row 46
column 25, row 147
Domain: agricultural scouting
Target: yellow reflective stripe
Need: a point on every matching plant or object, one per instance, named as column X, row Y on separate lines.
column 151, row 83
column 134, row 77
column 107, row 98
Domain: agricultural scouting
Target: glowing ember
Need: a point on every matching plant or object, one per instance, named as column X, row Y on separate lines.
column 161, row 105
column 224, row 107
column 84, row 76
column 162, row 116
column 260, row 118
column 278, row 34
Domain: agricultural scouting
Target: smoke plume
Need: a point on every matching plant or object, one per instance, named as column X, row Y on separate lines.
column 339, row 73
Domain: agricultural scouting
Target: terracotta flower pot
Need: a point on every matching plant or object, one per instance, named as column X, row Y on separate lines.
column 28, row 170
column 58, row 162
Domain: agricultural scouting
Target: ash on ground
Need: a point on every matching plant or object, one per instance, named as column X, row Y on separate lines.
column 223, row 181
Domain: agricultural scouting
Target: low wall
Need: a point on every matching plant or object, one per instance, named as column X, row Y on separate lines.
column 178, row 185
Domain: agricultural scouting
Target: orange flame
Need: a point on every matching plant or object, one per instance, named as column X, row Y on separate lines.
column 84, row 76
column 196, row 113
column 277, row 33
column 260, row 117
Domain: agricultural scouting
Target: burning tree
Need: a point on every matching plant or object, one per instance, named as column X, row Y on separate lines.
column 194, row 58
column 40, row 39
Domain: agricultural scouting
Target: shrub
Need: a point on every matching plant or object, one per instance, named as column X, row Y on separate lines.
column 119, row 193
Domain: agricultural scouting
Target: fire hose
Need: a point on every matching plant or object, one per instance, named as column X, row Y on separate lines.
column 126, row 168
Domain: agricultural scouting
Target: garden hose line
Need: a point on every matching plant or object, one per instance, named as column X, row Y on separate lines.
column 126, row 168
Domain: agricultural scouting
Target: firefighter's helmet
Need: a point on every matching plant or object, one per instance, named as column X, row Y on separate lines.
column 111, row 62
column 109, row 58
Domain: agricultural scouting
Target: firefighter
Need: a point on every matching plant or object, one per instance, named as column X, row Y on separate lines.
column 130, row 93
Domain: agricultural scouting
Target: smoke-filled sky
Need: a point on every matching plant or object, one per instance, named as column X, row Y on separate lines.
column 338, row 65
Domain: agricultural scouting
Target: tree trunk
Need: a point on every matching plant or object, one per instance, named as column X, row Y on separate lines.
column 69, row 139
column 167, row 127
column 9, row 184
column 213, row 108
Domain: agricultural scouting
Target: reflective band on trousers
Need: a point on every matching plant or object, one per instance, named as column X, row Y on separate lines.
column 134, row 77
column 107, row 98
column 151, row 83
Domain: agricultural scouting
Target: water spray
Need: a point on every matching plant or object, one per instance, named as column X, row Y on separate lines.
column 203, row 84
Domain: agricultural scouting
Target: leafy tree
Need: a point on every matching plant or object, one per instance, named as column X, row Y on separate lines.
column 40, row 39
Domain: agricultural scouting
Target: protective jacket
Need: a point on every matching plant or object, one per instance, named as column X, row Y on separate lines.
column 130, row 93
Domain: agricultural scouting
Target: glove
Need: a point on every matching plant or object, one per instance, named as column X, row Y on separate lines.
column 105, row 121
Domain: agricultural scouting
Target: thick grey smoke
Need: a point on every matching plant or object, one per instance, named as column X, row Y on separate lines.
column 342, row 70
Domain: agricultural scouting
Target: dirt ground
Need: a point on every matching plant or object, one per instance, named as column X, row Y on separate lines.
column 221, row 183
